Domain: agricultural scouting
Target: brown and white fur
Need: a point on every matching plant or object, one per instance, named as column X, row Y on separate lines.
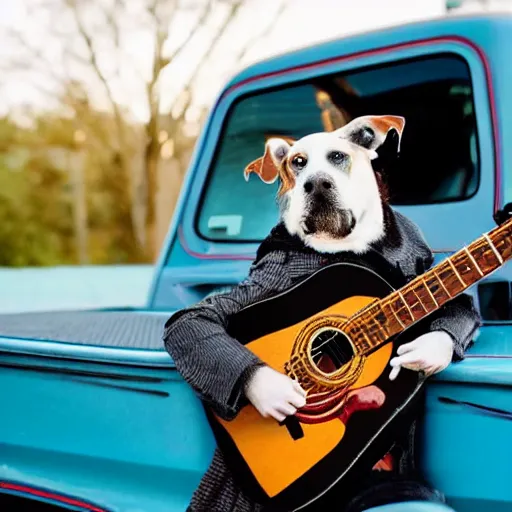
column 330, row 195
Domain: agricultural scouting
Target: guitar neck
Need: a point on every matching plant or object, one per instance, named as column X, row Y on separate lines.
column 384, row 318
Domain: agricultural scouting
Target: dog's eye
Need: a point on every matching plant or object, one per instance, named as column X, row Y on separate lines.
column 299, row 162
column 336, row 157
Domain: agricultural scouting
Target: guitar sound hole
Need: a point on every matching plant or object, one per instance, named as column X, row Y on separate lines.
column 330, row 350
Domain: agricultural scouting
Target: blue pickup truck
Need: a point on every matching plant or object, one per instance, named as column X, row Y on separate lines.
column 95, row 417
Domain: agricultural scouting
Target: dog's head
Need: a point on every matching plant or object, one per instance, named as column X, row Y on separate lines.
column 329, row 191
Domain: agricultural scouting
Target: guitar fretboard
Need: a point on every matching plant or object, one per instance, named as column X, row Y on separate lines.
column 375, row 324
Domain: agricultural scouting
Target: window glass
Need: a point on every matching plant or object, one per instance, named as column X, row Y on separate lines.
column 439, row 158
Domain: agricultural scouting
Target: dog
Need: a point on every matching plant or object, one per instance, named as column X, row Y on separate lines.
column 331, row 186
column 332, row 196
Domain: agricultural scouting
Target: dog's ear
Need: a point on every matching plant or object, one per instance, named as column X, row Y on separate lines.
column 268, row 167
column 370, row 132
column 380, row 135
column 387, row 154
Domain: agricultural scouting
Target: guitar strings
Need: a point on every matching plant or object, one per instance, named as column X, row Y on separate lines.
column 368, row 310
column 317, row 349
column 429, row 280
column 336, row 350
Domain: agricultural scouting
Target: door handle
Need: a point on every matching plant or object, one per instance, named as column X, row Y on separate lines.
column 491, row 411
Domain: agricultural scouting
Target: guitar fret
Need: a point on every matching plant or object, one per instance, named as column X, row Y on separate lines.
column 361, row 336
column 470, row 256
column 406, row 308
column 419, row 300
column 387, row 302
column 381, row 326
column 506, row 233
column 406, row 305
column 367, row 340
column 430, row 293
column 396, row 316
column 493, row 248
column 372, row 329
column 440, row 281
column 378, row 329
column 456, row 273
column 399, row 308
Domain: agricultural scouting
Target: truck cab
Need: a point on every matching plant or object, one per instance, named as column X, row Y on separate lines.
column 95, row 415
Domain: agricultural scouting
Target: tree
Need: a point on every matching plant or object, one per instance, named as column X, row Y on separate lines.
column 35, row 227
column 97, row 68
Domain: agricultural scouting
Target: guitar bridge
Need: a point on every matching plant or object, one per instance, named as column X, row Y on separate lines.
column 294, row 427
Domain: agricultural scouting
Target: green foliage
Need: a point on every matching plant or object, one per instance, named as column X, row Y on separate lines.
column 35, row 227
column 38, row 200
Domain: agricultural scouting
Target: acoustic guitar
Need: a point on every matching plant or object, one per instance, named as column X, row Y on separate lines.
column 335, row 333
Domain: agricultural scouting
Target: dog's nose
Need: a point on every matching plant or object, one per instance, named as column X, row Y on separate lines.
column 319, row 184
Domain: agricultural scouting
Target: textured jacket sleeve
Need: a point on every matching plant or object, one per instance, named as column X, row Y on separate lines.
column 214, row 364
column 458, row 317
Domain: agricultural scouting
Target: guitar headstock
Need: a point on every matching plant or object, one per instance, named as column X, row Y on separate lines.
column 503, row 215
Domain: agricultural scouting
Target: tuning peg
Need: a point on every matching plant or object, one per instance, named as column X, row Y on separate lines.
column 503, row 215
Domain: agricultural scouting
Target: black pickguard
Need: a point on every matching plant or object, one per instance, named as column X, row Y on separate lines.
column 369, row 434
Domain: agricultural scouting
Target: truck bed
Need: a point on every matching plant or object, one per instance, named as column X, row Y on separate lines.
column 112, row 329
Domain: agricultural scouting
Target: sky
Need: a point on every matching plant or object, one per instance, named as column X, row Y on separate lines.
column 303, row 22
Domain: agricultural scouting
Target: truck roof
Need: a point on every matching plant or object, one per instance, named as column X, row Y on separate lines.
column 468, row 26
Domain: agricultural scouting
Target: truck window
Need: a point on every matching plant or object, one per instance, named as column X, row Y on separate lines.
column 439, row 145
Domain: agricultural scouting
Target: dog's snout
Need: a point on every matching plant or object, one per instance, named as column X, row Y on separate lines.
column 317, row 185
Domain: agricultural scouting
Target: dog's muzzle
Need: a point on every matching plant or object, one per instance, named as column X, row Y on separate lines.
column 337, row 224
column 323, row 214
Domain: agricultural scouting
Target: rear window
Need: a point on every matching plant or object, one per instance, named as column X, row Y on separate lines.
column 439, row 144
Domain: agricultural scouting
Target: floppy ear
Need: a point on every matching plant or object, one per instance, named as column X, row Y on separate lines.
column 269, row 165
column 370, row 132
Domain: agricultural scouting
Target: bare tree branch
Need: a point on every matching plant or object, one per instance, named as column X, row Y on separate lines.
column 200, row 22
column 234, row 8
column 93, row 61
column 111, row 20
column 63, row 93
column 160, row 62
column 249, row 44
column 36, row 56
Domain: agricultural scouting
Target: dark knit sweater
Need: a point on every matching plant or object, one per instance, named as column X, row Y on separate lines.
column 216, row 366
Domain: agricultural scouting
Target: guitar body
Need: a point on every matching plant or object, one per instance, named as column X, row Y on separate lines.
column 339, row 435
